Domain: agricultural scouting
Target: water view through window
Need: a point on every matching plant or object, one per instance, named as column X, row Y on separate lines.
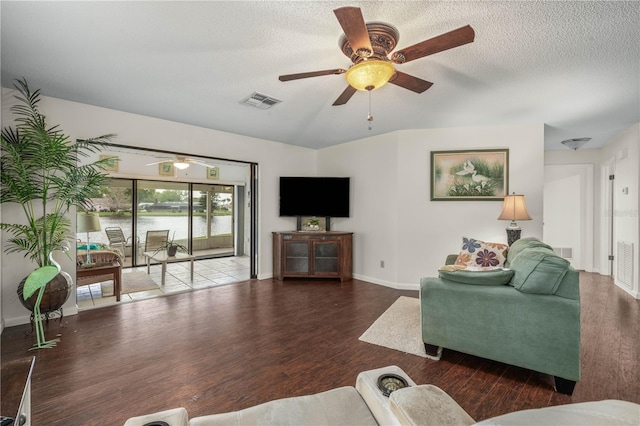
column 206, row 228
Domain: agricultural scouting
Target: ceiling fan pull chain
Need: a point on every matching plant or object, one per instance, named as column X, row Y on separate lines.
column 370, row 116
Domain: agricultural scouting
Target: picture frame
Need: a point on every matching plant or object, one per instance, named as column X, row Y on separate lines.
column 166, row 169
column 213, row 173
column 470, row 175
column 110, row 163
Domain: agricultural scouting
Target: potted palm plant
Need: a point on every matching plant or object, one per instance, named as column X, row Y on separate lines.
column 39, row 170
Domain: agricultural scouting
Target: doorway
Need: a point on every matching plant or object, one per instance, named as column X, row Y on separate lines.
column 568, row 213
column 209, row 208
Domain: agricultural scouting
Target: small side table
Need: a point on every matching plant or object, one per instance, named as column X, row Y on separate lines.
column 114, row 269
column 163, row 258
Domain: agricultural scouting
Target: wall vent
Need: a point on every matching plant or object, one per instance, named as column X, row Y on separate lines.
column 260, row 101
column 564, row 252
column 624, row 271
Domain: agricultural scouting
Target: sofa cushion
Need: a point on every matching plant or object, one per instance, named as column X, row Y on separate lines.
column 491, row 277
column 341, row 406
column 538, row 271
column 481, row 255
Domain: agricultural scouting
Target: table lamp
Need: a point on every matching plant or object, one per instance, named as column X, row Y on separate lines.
column 514, row 209
column 88, row 222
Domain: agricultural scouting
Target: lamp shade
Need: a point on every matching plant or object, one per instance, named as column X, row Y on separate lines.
column 88, row 222
column 370, row 75
column 180, row 165
column 514, row 208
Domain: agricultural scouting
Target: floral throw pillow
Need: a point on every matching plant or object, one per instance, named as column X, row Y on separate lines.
column 480, row 255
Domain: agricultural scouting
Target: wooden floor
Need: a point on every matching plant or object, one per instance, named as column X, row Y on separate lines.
column 231, row 347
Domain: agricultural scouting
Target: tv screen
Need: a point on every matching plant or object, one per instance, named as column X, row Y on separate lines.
column 314, row 196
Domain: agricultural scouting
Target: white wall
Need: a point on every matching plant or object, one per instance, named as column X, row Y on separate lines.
column 623, row 151
column 84, row 121
column 372, row 165
column 400, row 225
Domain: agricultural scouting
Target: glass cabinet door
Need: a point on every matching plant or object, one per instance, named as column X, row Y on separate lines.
column 326, row 255
column 296, row 255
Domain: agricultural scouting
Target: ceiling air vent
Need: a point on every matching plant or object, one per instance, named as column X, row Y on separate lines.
column 260, row 101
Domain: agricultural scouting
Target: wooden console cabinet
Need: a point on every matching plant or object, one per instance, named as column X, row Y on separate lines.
column 313, row 255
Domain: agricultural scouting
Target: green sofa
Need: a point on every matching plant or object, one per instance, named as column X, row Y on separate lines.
column 527, row 314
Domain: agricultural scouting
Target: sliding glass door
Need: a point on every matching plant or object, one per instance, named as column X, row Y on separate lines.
column 161, row 206
column 115, row 210
column 205, row 218
column 213, row 220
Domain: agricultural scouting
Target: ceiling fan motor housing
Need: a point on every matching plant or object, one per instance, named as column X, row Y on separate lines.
column 384, row 38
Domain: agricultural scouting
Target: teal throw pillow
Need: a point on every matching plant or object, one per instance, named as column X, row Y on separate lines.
column 524, row 244
column 538, row 271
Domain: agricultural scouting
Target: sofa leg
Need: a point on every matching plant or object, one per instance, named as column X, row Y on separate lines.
column 563, row 385
column 433, row 351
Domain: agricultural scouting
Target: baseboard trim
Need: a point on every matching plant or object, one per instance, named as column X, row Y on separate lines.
column 391, row 284
column 634, row 294
column 26, row 319
column 11, row 322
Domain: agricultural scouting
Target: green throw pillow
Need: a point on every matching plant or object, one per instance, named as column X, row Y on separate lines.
column 538, row 271
column 521, row 245
column 492, row 277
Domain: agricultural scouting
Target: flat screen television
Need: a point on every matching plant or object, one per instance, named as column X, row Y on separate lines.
column 314, row 196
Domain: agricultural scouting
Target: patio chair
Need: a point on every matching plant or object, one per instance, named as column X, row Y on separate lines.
column 156, row 240
column 118, row 241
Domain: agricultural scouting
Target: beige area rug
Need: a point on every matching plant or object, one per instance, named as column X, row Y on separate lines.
column 398, row 328
column 132, row 282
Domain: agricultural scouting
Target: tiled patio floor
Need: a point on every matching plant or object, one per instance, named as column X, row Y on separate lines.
column 206, row 273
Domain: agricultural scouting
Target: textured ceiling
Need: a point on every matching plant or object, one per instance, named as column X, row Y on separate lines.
column 574, row 66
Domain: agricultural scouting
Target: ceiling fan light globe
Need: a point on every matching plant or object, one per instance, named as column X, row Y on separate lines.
column 575, row 143
column 369, row 75
column 180, row 165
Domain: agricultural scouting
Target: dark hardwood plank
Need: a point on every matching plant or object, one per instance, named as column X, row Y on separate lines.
column 231, row 347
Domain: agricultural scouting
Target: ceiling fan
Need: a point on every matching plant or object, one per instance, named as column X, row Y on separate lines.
column 368, row 46
column 181, row 162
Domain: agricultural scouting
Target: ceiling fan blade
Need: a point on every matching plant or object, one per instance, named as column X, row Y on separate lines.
column 199, row 163
column 355, row 29
column 159, row 162
column 298, row 76
column 345, row 96
column 410, row 82
column 437, row 44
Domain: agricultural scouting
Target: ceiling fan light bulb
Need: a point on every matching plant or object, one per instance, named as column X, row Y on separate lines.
column 180, row 165
column 369, row 75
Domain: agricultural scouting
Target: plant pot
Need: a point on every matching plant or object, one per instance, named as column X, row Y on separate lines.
column 171, row 251
column 56, row 293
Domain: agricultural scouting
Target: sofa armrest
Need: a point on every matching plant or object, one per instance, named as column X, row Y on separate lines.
column 174, row 417
column 335, row 406
column 427, row 405
column 451, row 259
